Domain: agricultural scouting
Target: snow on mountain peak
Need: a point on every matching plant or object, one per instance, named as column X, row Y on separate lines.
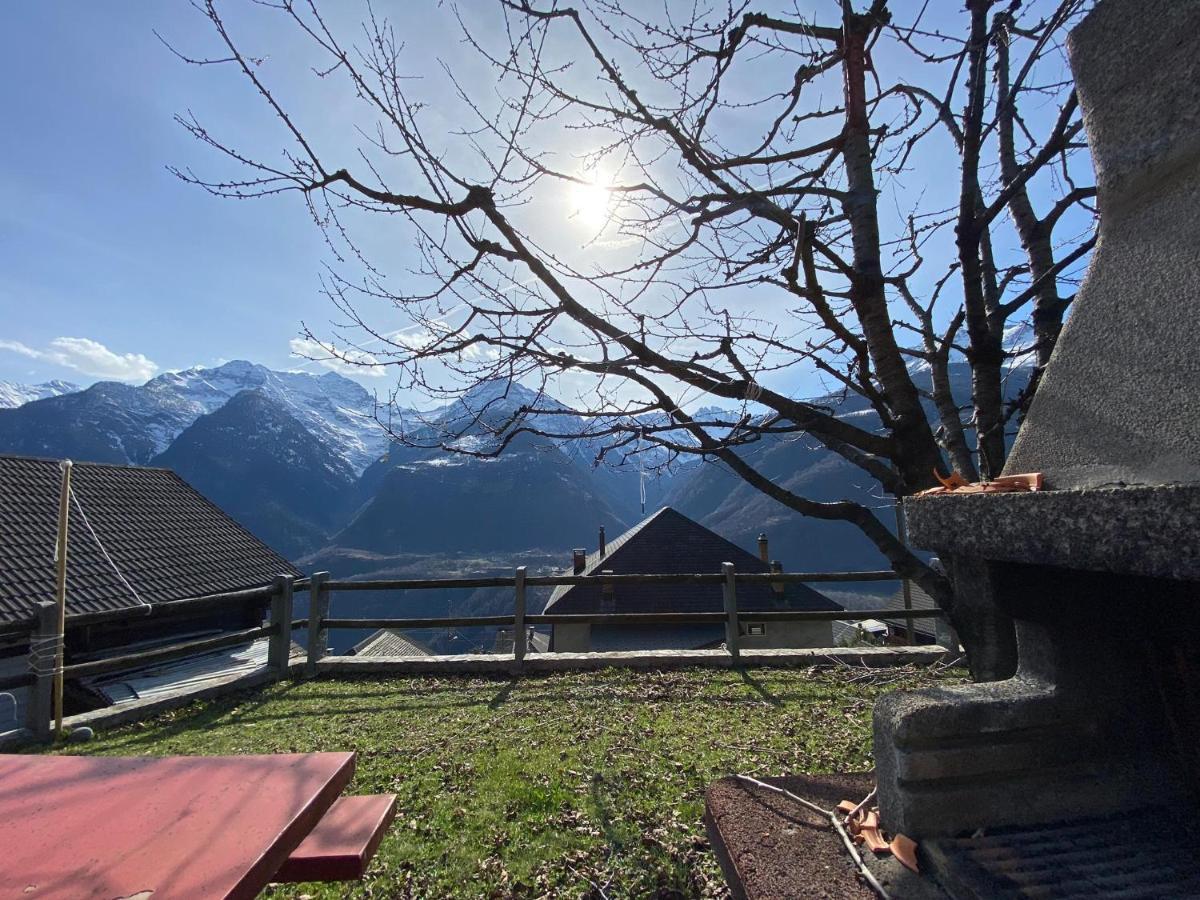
column 339, row 411
column 13, row 394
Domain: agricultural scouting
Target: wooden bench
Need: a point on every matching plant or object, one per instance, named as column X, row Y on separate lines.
column 343, row 842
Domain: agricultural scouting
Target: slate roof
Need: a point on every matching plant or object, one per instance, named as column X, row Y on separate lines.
column 670, row 542
column 389, row 642
column 167, row 539
column 920, row 600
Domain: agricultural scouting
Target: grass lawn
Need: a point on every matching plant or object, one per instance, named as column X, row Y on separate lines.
column 588, row 784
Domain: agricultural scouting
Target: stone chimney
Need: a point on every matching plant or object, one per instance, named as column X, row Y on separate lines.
column 578, row 560
column 603, row 544
column 763, row 553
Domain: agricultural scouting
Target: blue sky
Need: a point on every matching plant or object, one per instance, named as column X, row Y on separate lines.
column 110, row 267
column 97, row 240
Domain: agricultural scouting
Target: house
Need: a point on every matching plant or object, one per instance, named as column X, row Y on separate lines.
column 535, row 641
column 925, row 630
column 853, row 632
column 138, row 538
column 389, row 642
column 668, row 542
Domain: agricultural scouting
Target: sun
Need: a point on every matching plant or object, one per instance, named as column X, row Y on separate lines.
column 591, row 201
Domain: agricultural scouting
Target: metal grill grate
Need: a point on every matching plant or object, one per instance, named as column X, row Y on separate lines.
column 1147, row 854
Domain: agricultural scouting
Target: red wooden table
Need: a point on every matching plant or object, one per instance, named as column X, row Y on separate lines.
column 157, row 828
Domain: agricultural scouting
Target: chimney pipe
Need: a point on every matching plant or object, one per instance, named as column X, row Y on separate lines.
column 578, row 560
column 603, row 545
column 763, row 553
column 777, row 567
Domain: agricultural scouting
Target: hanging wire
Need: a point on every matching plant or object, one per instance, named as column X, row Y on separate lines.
column 96, row 538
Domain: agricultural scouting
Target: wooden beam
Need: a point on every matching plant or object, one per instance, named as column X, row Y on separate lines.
column 60, row 590
column 429, row 584
column 41, row 662
column 318, row 611
column 519, row 647
column 460, row 622
column 280, row 650
column 166, row 654
column 732, row 635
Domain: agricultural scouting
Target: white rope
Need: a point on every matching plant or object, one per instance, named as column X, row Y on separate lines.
column 96, row 538
column 43, row 654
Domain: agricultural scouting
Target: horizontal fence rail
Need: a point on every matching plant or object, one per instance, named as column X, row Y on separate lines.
column 168, row 653
column 433, row 584
column 282, row 623
column 322, row 587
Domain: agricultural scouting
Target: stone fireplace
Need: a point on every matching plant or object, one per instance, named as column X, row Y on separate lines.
column 1100, row 572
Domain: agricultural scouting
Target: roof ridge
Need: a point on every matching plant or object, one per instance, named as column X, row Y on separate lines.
column 85, row 462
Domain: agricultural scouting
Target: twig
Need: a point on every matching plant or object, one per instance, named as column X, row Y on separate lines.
column 778, row 790
column 857, row 857
column 832, row 816
column 861, row 806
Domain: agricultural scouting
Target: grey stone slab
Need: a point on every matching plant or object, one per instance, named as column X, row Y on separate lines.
column 1152, row 531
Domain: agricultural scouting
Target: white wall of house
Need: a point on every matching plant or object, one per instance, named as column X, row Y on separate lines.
column 775, row 636
column 782, row 635
column 572, row 639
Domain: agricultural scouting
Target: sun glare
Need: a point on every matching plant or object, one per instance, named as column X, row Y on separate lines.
column 591, row 202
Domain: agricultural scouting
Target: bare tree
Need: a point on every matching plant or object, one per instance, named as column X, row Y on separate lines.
column 775, row 196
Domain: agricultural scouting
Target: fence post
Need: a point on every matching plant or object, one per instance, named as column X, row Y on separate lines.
column 731, row 615
column 905, row 584
column 279, row 647
column 318, row 612
column 519, row 644
column 43, row 658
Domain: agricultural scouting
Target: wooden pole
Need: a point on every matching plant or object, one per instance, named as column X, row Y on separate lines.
column 318, row 612
column 905, row 584
column 41, row 695
column 731, row 615
column 279, row 646
column 519, row 647
column 60, row 596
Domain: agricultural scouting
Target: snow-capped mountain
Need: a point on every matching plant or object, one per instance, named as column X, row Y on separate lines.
column 260, row 463
column 13, row 394
column 111, row 422
column 335, row 408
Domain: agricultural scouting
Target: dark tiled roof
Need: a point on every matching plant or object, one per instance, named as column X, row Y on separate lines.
column 669, row 542
column 389, row 642
column 166, row 539
column 920, row 600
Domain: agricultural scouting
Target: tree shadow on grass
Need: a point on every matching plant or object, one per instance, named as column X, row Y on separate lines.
column 755, row 685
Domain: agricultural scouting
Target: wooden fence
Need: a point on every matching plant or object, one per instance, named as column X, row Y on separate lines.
column 282, row 623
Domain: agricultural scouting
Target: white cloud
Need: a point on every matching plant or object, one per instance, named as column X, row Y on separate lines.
column 346, row 362
column 89, row 357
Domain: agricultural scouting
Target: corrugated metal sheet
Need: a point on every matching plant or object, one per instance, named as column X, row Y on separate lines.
column 14, row 701
column 195, row 672
column 166, row 538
